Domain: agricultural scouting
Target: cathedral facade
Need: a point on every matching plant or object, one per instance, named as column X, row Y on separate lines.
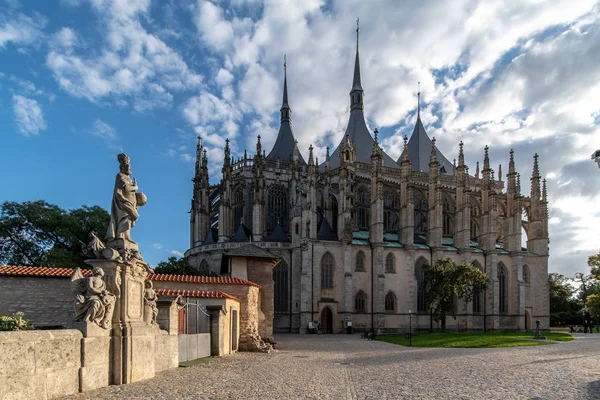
column 356, row 233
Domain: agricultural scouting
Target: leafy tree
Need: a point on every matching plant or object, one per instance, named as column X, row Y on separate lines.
column 38, row 233
column 594, row 263
column 176, row 266
column 445, row 281
column 587, row 284
column 564, row 307
column 593, row 304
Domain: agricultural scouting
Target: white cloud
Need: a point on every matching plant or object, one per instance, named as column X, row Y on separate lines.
column 105, row 132
column 65, row 38
column 157, row 246
column 28, row 115
column 20, row 29
column 176, row 253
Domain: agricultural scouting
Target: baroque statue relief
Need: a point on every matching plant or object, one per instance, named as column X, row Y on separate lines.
column 150, row 308
column 125, row 202
column 93, row 303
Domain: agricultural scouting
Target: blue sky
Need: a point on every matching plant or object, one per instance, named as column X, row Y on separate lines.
column 79, row 80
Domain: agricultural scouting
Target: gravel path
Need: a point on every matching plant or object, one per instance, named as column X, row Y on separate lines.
column 347, row 367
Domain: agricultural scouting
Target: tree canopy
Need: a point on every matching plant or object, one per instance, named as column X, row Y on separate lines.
column 594, row 263
column 445, row 281
column 177, row 266
column 38, row 233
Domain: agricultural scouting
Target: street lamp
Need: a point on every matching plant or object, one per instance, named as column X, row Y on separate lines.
column 410, row 327
column 596, row 157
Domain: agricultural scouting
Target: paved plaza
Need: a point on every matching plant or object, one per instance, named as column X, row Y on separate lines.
column 347, row 367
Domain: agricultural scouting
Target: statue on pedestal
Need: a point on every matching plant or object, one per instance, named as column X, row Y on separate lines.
column 93, row 303
column 150, row 308
column 125, row 202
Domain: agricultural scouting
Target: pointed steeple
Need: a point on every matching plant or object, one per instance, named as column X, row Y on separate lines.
column 486, row 158
column 477, row 170
column 199, row 157
column 535, row 178
column 461, row 155
column 283, row 149
column 356, row 84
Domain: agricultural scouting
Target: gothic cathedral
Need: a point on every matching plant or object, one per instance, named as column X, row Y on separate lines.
column 356, row 233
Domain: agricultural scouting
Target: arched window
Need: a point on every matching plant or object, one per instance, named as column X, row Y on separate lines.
column 390, row 302
column 390, row 264
column 327, row 271
column 420, row 268
column 475, row 215
column 526, row 275
column 391, row 207
column 362, row 203
column 281, row 289
column 477, row 295
column 237, row 207
column 360, row 261
column 447, row 216
column 421, row 209
column 277, row 208
column 502, row 289
column 204, row 270
column 334, row 212
column 360, row 302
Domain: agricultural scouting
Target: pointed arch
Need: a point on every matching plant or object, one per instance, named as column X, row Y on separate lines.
column 390, row 302
column 334, row 212
column 327, row 267
column 391, row 208
column 237, row 207
column 204, row 269
column 502, row 288
column 390, row 264
column 475, row 218
column 526, row 275
column 277, row 206
column 420, row 270
column 360, row 302
column 360, row 261
column 478, row 297
column 281, row 287
column 362, row 204
column 421, row 208
column 448, row 211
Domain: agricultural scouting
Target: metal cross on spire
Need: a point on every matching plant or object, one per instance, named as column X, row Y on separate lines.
column 418, row 99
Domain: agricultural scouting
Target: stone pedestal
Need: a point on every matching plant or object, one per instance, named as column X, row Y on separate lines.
column 95, row 356
column 132, row 339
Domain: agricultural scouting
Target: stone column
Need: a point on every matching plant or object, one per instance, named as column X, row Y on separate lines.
column 217, row 323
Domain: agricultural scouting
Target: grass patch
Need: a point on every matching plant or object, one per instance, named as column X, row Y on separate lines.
column 197, row 361
column 475, row 339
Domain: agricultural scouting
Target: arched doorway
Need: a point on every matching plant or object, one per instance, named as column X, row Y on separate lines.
column 326, row 320
column 527, row 320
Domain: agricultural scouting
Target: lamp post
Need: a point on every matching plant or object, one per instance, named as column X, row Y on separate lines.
column 410, row 327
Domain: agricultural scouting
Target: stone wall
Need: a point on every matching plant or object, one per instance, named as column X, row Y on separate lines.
column 261, row 272
column 46, row 302
column 39, row 364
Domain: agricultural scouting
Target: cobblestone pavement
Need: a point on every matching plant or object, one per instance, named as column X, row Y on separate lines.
column 347, row 367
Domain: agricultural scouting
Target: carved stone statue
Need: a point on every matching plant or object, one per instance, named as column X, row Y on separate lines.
column 95, row 248
column 93, row 303
column 150, row 308
column 126, row 200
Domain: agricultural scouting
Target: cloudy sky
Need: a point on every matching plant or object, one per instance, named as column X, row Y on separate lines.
column 79, row 80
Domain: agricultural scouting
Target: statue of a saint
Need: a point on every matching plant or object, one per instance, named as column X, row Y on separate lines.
column 93, row 303
column 125, row 202
column 150, row 308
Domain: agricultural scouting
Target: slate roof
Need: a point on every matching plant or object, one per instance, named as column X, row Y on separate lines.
column 284, row 144
column 243, row 234
column 206, row 280
column 203, row 294
column 357, row 128
column 278, row 235
column 325, row 231
column 212, row 236
column 419, row 151
column 250, row 250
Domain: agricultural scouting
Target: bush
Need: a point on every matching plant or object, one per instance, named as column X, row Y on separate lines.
column 15, row 323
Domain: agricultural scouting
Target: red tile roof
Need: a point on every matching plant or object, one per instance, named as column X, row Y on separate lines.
column 42, row 272
column 204, row 294
column 49, row 272
column 219, row 280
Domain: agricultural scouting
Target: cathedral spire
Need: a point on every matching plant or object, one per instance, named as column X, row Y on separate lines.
column 199, row 155
column 486, row 158
column 461, row 155
column 286, row 112
column 477, row 170
column 535, row 178
column 356, row 94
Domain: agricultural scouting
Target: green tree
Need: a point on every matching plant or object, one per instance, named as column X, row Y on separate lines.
column 38, row 233
column 594, row 263
column 564, row 307
column 445, row 282
column 177, row 266
column 593, row 304
column 587, row 285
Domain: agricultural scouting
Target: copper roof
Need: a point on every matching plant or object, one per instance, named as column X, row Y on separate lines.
column 43, row 272
column 204, row 294
column 219, row 280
